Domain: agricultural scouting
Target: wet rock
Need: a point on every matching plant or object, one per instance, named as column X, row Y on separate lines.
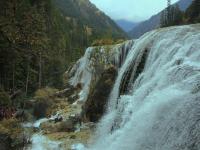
column 40, row 109
column 73, row 98
column 66, row 92
column 76, row 118
column 95, row 105
column 58, row 118
column 68, row 125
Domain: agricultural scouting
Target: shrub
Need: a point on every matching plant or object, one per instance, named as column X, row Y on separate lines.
column 45, row 93
column 44, row 99
column 4, row 98
column 101, row 42
column 12, row 132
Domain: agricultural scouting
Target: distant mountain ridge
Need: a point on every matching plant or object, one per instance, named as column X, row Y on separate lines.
column 86, row 13
column 125, row 24
column 154, row 21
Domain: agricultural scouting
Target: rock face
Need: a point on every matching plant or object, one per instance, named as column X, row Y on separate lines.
column 87, row 71
column 95, row 105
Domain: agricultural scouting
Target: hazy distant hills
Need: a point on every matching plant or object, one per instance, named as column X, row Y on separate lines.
column 125, row 24
column 94, row 20
column 154, row 21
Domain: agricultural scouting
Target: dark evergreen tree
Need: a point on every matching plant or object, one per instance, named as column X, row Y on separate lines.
column 172, row 15
column 193, row 12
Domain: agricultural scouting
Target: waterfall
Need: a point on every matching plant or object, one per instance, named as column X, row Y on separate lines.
column 84, row 71
column 155, row 102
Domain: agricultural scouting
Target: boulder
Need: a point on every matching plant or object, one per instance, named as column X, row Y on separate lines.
column 95, row 105
column 68, row 125
column 58, row 118
column 73, row 98
column 40, row 109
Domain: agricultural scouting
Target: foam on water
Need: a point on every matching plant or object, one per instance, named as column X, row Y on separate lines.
column 162, row 109
column 41, row 142
column 84, row 71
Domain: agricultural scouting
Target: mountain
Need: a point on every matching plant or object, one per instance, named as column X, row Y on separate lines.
column 183, row 4
column 40, row 39
column 154, row 21
column 85, row 13
column 125, row 24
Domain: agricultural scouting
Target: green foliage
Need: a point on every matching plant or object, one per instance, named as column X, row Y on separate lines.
column 14, row 134
column 39, row 39
column 88, row 18
column 171, row 16
column 44, row 100
column 4, row 98
column 101, row 42
column 45, row 93
column 193, row 12
column 174, row 16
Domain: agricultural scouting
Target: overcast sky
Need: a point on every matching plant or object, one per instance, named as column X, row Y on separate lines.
column 134, row 10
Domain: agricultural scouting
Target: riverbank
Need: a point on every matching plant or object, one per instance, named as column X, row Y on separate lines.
column 51, row 133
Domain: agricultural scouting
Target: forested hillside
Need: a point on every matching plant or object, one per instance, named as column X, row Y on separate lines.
column 95, row 22
column 154, row 21
column 39, row 39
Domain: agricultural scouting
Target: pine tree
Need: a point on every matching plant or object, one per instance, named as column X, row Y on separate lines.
column 193, row 12
column 172, row 15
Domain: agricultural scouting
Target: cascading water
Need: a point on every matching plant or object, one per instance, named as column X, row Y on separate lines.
column 161, row 110
column 84, row 70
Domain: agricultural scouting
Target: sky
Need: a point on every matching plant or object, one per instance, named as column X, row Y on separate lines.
column 131, row 10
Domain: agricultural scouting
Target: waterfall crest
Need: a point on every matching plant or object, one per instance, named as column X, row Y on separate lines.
column 155, row 102
column 94, row 62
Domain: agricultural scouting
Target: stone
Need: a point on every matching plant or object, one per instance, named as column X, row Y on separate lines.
column 95, row 105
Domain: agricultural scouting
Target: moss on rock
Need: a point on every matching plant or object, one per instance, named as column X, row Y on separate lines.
column 95, row 106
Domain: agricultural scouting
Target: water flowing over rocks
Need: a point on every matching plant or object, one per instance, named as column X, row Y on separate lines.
column 142, row 95
column 88, row 69
column 159, row 108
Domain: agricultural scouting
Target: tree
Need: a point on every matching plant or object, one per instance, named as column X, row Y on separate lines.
column 171, row 16
column 193, row 12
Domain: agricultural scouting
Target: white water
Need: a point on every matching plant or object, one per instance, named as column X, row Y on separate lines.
column 162, row 111
column 77, row 147
column 84, row 71
column 41, row 142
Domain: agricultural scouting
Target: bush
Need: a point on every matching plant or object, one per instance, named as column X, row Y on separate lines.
column 4, row 98
column 12, row 133
column 45, row 93
column 103, row 42
column 44, row 99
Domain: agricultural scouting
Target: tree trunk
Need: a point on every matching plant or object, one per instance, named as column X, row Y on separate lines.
column 13, row 77
column 40, row 71
column 27, row 79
